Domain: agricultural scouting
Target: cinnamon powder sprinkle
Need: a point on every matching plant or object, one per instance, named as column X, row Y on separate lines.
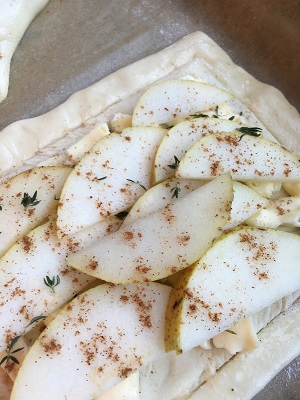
column 27, row 243
column 93, row 265
column 51, row 346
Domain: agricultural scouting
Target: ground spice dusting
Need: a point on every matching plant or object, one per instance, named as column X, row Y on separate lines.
column 168, row 214
column 214, row 168
column 23, row 310
column 128, row 235
column 72, row 245
column 192, row 308
column 51, row 346
column 27, row 243
column 93, row 265
column 183, row 239
column 263, row 275
column 124, row 298
column 230, row 139
column 18, row 292
column 143, row 269
column 144, row 310
column 30, row 212
column 125, row 372
column 214, row 317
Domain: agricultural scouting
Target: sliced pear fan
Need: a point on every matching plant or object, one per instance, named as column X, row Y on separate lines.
column 162, row 242
column 109, row 179
column 16, row 220
column 23, row 293
column 180, row 139
column 243, row 272
column 168, row 101
column 245, row 157
column 100, row 338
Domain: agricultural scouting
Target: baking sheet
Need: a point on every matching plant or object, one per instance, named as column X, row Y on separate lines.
column 74, row 43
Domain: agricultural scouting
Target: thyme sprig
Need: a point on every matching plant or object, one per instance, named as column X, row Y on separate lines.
column 28, row 201
column 52, row 283
column 138, row 183
column 175, row 163
column 9, row 351
column 175, row 190
column 249, row 131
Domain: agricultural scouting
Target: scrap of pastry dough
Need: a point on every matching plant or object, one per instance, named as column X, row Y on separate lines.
column 15, row 17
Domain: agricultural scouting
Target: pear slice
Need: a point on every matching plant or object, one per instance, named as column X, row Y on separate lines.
column 244, row 156
column 243, row 272
column 127, row 389
column 109, row 179
column 16, row 220
column 246, row 201
column 167, row 101
column 100, row 338
column 159, row 196
column 181, row 138
column 80, row 148
column 6, row 385
column 23, row 293
column 162, row 242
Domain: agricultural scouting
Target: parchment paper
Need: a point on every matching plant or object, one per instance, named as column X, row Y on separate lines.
column 74, row 43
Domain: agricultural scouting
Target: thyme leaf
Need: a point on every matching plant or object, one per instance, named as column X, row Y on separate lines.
column 101, row 179
column 28, row 201
column 1, row 205
column 35, row 319
column 13, row 342
column 138, row 183
column 232, row 332
column 231, row 118
column 175, row 163
column 6, row 358
column 249, row 131
column 51, row 283
column 199, row 115
column 14, row 359
column 175, row 190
